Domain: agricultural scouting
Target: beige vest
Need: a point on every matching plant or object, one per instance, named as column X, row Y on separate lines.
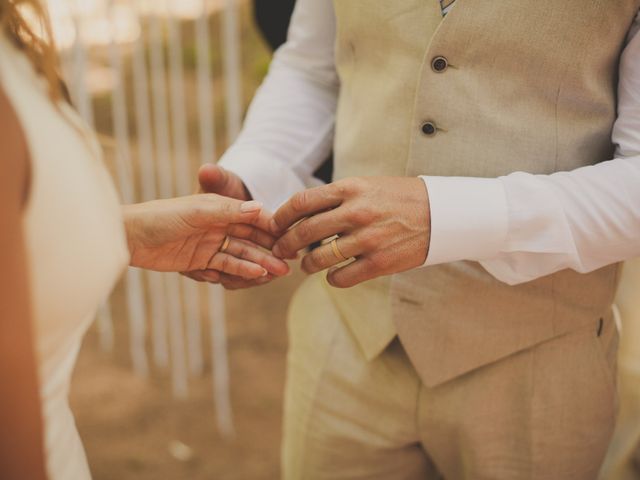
column 530, row 87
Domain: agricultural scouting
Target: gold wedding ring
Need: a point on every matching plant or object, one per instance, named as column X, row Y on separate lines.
column 336, row 250
column 225, row 244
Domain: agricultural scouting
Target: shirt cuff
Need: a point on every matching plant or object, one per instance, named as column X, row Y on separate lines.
column 469, row 218
column 269, row 181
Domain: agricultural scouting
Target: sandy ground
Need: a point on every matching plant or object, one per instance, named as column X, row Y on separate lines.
column 128, row 423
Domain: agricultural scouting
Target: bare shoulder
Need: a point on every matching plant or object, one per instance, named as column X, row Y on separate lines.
column 14, row 156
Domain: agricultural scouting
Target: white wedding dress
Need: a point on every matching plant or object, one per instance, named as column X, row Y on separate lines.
column 75, row 243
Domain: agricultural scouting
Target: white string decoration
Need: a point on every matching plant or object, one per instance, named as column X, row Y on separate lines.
column 81, row 98
column 165, row 176
column 220, row 363
column 149, row 191
column 220, row 369
column 184, row 184
column 232, row 75
column 134, row 290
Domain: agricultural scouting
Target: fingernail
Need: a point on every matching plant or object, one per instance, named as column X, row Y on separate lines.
column 250, row 206
column 273, row 226
column 262, row 280
column 264, row 272
column 276, row 251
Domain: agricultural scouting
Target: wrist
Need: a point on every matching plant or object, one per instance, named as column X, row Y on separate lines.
column 131, row 221
column 464, row 208
column 427, row 220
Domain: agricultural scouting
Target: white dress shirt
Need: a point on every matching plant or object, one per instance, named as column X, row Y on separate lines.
column 519, row 227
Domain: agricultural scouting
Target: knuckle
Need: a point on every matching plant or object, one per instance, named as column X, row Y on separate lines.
column 315, row 261
column 284, row 245
column 352, row 186
column 376, row 263
column 299, row 201
column 225, row 263
column 264, row 240
column 229, row 207
column 367, row 240
column 360, row 215
column 343, row 187
column 238, row 230
column 243, row 251
column 318, row 258
column 304, row 232
column 308, row 264
column 358, row 184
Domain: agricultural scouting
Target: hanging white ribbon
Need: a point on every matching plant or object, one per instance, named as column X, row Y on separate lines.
column 134, row 290
column 220, row 369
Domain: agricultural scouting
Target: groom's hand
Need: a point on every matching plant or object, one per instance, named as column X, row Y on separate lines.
column 215, row 179
column 382, row 222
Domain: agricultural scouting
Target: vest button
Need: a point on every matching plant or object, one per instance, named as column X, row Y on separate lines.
column 428, row 128
column 439, row 64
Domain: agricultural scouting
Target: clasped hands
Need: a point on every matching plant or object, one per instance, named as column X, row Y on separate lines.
column 381, row 224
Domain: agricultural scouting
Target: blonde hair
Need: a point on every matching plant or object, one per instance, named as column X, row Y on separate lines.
column 38, row 46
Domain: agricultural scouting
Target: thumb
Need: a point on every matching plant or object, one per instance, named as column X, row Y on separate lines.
column 213, row 179
column 229, row 210
column 225, row 210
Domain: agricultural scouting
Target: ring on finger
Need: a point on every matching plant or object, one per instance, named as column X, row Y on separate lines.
column 225, row 244
column 336, row 250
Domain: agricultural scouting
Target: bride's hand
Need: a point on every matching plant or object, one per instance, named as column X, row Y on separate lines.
column 185, row 234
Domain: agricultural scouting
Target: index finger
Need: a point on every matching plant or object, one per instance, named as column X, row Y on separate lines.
column 304, row 204
column 229, row 210
column 259, row 219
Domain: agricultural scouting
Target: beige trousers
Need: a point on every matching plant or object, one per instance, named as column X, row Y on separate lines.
column 544, row 413
column 623, row 459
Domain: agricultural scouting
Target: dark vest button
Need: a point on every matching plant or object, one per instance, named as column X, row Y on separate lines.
column 439, row 64
column 428, row 128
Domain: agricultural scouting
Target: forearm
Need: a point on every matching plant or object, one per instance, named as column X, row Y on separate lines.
column 288, row 131
column 131, row 221
column 524, row 226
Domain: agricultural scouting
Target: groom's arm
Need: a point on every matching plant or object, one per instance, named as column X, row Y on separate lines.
column 288, row 131
column 525, row 226
column 520, row 226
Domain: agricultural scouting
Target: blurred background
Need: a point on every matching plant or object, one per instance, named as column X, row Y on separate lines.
column 176, row 380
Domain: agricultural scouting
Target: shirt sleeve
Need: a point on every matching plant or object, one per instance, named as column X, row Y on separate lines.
column 288, row 131
column 524, row 226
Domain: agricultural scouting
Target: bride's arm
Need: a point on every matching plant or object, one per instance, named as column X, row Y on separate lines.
column 21, row 441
